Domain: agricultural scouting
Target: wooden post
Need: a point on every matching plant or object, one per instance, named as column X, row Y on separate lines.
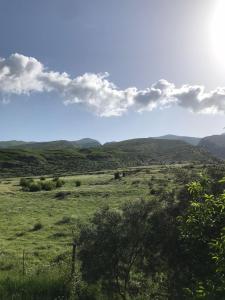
column 74, row 245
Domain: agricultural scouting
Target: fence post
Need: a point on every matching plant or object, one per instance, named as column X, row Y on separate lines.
column 74, row 245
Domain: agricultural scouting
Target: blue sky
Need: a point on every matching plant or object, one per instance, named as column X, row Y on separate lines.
column 137, row 42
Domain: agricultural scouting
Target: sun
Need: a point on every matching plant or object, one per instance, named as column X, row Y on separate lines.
column 218, row 31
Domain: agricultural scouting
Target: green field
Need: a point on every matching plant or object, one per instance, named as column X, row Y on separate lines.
column 20, row 211
column 38, row 228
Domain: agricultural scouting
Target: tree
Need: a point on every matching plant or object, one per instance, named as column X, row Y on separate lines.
column 114, row 248
column 202, row 236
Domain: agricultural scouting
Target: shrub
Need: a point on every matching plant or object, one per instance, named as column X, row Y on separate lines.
column 78, row 183
column 116, row 175
column 59, row 183
column 35, row 187
column 37, row 226
column 25, row 182
column 48, row 185
column 30, row 185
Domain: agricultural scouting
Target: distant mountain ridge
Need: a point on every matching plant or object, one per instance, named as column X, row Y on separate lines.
column 64, row 157
column 12, row 143
column 59, row 144
column 19, row 158
column 188, row 139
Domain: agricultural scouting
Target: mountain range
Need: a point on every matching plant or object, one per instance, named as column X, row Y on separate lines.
column 18, row 158
column 214, row 144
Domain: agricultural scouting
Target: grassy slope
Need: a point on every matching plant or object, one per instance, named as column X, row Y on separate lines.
column 63, row 159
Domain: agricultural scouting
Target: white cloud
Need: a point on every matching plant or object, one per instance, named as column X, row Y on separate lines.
column 20, row 74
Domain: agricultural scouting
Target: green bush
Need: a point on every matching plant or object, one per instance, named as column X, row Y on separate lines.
column 77, row 183
column 37, row 226
column 48, row 185
column 116, row 175
column 25, row 182
column 29, row 185
column 35, row 187
column 59, row 183
column 55, row 178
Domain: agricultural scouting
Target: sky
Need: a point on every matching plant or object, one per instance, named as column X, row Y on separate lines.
column 111, row 70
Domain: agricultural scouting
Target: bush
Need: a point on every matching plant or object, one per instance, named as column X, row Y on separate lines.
column 35, row 187
column 37, row 226
column 29, row 185
column 78, row 183
column 48, row 185
column 25, row 182
column 116, row 175
column 59, row 183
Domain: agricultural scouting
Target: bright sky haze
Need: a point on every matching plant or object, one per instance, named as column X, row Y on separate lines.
column 111, row 70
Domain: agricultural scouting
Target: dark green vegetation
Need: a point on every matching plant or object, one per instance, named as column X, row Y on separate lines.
column 31, row 185
column 61, row 157
column 150, row 233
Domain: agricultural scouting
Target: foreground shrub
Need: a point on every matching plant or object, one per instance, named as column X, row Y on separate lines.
column 115, row 249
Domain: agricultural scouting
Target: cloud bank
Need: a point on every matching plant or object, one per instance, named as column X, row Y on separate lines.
column 20, row 74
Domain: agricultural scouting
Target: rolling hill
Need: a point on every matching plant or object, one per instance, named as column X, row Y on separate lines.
column 9, row 144
column 63, row 157
column 51, row 145
column 215, row 144
column 188, row 139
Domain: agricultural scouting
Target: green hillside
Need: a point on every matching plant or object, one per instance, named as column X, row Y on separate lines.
column 215, row 144
column 12, row 143
column 62, row 157
column 188, row 139
column 59, row 144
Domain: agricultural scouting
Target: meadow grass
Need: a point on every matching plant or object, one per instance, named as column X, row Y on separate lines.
column 37, row 227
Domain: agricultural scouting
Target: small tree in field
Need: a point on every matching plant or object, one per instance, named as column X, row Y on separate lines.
column 114, row 248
